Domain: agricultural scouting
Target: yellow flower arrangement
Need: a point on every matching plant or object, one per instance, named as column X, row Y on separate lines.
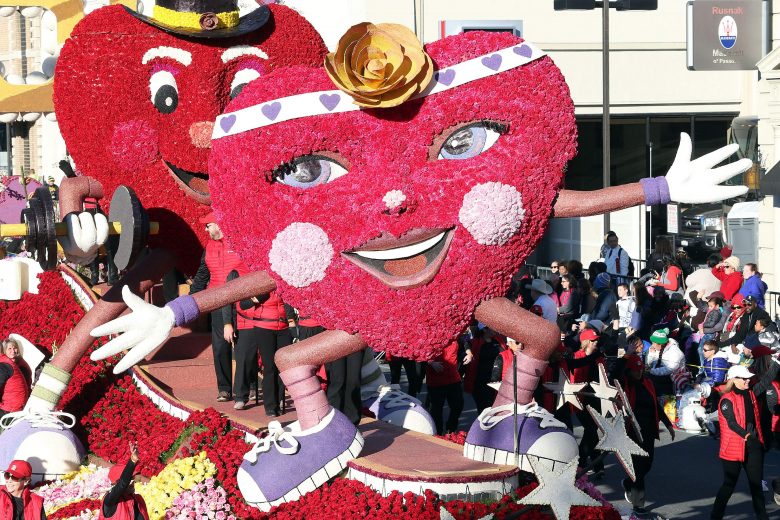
column 179, row 476
column 379, row 65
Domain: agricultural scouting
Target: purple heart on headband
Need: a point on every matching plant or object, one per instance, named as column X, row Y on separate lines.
column 523, row 50
column 492, row 62
column 227, row 122
column 271, row 110
column 330, row 101
column 445, row 77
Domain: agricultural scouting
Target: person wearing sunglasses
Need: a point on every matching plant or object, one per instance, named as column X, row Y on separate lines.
column 741, row 441
column 730, row 276
column 17, row 502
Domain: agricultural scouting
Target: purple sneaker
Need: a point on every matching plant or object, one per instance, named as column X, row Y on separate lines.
column 289, row 463
column 539, row 434
column 44, row 439
column 389, row 404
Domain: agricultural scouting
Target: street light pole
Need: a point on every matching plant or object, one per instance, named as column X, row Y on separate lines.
column 605, row 135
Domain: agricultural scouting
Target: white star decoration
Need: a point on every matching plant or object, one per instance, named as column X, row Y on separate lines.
column 613, row 437
column 556, row 489
column 565, row 390
column 606, row 392
column 628, row 412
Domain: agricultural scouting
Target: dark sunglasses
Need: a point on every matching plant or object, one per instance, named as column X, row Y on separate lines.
column 8, row 476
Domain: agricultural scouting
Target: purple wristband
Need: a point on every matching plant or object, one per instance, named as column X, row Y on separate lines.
column 656, row 190
column 184, row 309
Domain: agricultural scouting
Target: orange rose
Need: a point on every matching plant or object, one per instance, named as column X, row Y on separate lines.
column 379, row 65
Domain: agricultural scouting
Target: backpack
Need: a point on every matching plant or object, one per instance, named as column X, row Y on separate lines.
column 630, row 263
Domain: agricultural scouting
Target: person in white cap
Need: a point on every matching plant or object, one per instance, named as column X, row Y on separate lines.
column 741, row 441
column 540, row 294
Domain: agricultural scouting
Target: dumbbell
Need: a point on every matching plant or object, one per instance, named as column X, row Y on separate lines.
column 128, row 228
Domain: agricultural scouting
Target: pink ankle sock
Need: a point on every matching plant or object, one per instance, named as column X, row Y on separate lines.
column 311, row 404
column 529, row 370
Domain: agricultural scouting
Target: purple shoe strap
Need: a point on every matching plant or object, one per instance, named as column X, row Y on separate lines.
column 184, row 309
column 311, row 403
column 656, row 190
column 529, row 371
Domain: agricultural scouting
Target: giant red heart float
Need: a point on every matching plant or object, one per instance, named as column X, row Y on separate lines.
column 136, row 106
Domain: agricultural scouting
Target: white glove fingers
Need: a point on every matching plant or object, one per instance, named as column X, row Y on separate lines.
column 134, row 302
column 139, row 352
column 683, row 152
column 101, row 228
column 715, row 157
column 116, row 345
column 69, row 243
column 86, row 239
column 121, row 324
column 727, row 171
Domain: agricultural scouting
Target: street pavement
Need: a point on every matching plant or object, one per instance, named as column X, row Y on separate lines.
column 685, row 477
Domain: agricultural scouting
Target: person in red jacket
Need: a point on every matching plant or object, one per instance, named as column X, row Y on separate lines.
column 741, row 442
column 17, row 502
column 444, row 383
column 215, row 265
column 15, row 378
column 121, row 502
column 272, row 332
column 729, row 275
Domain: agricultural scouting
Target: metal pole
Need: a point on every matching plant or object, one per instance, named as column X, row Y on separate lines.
column 605, row 100
column 516, row 445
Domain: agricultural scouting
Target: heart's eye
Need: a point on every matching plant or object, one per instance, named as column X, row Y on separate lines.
column 471, row 140
column 241, row 79
column 308, row 171
column 165, row 94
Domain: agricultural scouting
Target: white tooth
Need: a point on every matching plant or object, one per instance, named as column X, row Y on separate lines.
column 402, row 252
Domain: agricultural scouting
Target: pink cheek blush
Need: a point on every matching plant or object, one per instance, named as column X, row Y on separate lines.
column 492, row 212
column 300, row 254
column 134, row 145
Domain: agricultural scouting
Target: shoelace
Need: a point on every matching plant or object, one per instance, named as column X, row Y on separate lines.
column 391, row 396
column 39, row 419
column 492, row 416
column 276, row 434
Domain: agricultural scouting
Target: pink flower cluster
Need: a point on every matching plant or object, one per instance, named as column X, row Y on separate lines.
column 204, row 501
column 91, row 485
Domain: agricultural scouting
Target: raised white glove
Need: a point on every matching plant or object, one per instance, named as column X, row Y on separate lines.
column 697, row 181
column 140, row 332
column 86, row 233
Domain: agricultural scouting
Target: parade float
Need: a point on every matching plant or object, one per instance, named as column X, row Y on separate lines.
column 391, row 179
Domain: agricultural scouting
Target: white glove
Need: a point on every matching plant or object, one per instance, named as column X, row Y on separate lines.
column 697, row 181
column 86, row 233
column 144, row 329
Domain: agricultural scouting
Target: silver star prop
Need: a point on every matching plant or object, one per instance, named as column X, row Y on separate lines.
column 613, row 437
column 628, row 411
column 605, row 392
column 565, row 390
column 446, row 515
column 556, row 488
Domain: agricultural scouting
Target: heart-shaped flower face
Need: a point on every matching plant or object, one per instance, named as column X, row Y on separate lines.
column 395, row 223
column 136, row 106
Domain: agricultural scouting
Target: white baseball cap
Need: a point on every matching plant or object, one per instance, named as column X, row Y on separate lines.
column 739, row 371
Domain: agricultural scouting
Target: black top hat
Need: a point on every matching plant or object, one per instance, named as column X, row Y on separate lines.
column 204, row 18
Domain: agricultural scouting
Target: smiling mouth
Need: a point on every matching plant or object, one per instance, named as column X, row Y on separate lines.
column 406, row 262
column 194, row 184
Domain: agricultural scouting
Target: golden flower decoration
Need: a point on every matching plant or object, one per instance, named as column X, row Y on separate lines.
column 379, row 65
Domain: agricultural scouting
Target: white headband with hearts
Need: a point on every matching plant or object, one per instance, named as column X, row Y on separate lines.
column 334, row 101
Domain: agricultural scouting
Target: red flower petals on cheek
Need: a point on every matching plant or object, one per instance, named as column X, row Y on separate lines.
column 134, row 145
